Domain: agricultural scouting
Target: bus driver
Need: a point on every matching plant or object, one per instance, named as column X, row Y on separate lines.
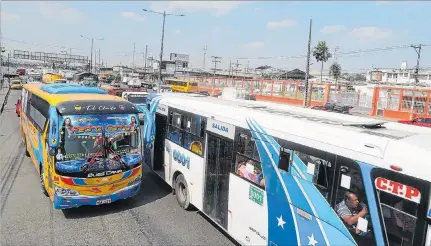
column 350, row 210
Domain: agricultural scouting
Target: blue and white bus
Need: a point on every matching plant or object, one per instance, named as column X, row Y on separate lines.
column 273, row 174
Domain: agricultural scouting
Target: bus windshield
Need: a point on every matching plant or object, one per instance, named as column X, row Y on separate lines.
column 137, row 98
column 96, row 136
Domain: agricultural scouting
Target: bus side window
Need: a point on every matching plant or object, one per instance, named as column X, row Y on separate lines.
column 320, row 171
column 400, row 211
column 247, row 165
column 175, row 132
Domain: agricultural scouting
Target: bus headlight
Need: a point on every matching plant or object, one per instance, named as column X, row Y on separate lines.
column 135, row 181
column 65, row 191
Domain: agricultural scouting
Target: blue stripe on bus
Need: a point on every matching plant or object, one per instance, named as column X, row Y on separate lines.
column 281, row 224
column 372, row 203
column 300, row 190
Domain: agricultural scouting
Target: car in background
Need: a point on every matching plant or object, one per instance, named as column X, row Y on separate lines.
column 423, row 121
column 16, row 84
column 334, row 107
column 18, row 107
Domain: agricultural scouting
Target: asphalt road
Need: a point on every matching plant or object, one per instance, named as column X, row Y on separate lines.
column 28, row 218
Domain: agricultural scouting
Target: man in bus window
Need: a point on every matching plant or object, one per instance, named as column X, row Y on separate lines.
column 350, row 210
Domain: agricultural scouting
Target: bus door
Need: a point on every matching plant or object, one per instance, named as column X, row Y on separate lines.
column 218, row 165
column 159, row 143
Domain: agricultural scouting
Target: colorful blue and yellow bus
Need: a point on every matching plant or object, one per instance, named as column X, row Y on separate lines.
column 84, row 143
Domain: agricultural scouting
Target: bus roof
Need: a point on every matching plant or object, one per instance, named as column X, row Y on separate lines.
column 179, row 80
column 363, row 139
column 81, row 102
column 62, row 95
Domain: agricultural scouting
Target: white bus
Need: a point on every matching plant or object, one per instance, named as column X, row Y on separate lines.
column 273, row 174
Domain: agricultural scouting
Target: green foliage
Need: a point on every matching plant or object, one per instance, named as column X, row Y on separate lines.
column 321, row 52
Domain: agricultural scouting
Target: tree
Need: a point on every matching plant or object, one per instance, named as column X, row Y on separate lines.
column 321, row 53
column 335, row 70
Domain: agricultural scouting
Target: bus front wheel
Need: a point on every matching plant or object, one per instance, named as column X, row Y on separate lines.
column 42, row 181
column 182, row 192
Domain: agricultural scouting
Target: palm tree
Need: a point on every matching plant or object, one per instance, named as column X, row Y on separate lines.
column 321, row 53
column 335, row 70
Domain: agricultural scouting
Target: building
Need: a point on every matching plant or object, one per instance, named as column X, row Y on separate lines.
column 399, row 76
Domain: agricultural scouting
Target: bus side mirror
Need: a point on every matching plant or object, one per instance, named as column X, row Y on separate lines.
column 51, row 151
column 53, row 128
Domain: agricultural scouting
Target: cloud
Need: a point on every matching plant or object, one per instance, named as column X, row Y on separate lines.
column 177, row 31
column 370, row 34
column 132, row 16
column 254, row 45
column 60, row 12
column 332, row 29
column 280, row 24
column 5, row 16
column 216, row 8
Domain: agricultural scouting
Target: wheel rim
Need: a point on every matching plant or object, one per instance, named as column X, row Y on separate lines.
column 182, row 191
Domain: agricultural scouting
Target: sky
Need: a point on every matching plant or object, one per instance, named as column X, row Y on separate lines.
column 276, row 31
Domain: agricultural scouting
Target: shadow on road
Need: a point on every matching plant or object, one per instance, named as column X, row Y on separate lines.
column 209, row 220
column 152, row 188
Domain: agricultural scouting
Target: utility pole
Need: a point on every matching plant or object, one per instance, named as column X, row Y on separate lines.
column 230, row 68
column 161, row 45
column 205, row 55
column 145, row 59
column 133, row 59
column 91, row 52
column 307, row 69
column 335, row 54
column 91, row 57
column 237, row 66
column 418, row 49
column 216, row 59
column 99, row 59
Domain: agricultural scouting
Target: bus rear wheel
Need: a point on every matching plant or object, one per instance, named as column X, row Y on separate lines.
column 182, row 192
column 25, row 147
column 42, row 182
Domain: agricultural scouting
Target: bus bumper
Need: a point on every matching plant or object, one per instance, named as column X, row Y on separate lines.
column 63, row 202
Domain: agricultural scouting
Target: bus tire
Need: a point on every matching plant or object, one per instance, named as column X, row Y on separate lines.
column 182, row 192
column 42, row 181
column 25, row 147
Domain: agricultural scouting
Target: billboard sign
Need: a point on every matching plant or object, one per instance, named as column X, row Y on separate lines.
column 179, row 57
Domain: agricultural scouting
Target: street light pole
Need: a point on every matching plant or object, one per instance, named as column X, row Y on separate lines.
column 164, row 14
column 161, row 53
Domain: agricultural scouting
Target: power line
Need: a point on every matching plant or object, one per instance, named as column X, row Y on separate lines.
column 47, row 45
column 338, row 54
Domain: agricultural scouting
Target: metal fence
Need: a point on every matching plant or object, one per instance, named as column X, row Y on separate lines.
column 391, row 102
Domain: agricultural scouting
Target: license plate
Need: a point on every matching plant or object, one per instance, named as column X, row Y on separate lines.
column 103, row 201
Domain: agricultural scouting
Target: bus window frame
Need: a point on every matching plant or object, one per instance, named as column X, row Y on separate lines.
column 184, row 132
column 422, row 220
column 340, row 162
column 317, row 153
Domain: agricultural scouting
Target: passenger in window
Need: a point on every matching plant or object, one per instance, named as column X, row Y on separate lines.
column 350, row 210
column 403, row 221
column 243, row 172
column 196, row 147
